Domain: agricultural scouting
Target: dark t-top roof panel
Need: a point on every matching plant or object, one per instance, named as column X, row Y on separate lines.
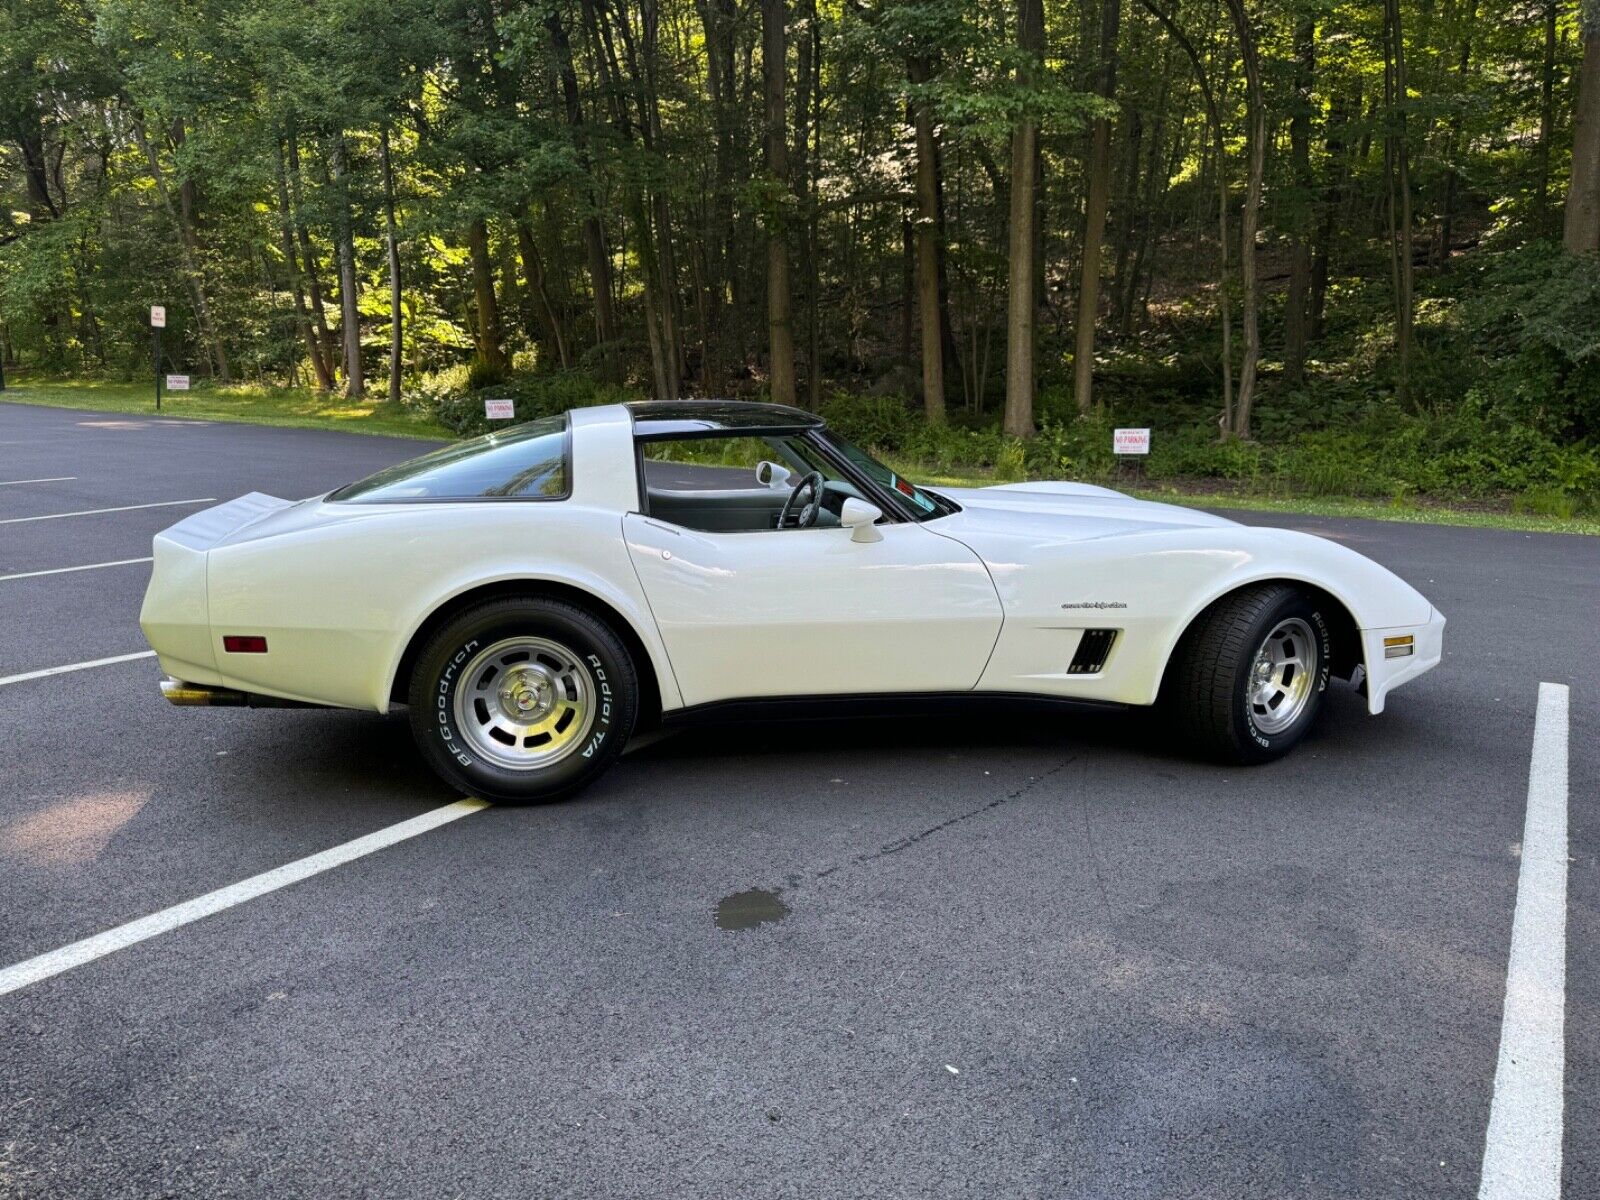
column 681, row 417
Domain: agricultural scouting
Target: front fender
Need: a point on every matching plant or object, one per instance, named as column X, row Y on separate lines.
column 1151, row 585
column 1374, row 597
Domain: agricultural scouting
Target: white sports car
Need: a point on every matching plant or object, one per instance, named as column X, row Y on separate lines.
column 537, row 594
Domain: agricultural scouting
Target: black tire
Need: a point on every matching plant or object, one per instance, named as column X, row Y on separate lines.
column 1210, row 682
column 461, row 754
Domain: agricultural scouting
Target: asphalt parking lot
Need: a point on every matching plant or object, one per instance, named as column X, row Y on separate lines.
column 1023, row 954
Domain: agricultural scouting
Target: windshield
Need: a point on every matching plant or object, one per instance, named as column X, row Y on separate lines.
column 918, row 502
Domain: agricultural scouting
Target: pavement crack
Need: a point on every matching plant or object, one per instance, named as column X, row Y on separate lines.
column 1093, row 849
column 912, row 839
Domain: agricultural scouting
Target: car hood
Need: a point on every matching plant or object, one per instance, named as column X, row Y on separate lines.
column 1063, row 512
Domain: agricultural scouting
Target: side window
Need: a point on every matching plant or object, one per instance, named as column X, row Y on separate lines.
column 525, row 462
column 713, row 463
column 721, row 485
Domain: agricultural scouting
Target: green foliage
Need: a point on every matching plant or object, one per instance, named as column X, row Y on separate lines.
column 1532, row 323
column 877, row 422
column 482, row 375
column 455, row 402
column 152, row 151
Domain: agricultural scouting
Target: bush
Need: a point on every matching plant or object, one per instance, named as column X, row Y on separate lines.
column 877, row 422
column 1197, row 453
column 481, row 375
column 453, row 401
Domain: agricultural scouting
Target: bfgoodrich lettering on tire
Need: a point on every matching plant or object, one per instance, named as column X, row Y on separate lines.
column 523, row 699
column 1247, row 681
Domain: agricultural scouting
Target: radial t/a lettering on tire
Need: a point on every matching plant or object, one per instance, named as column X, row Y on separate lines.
column 1246, row 682
column 523, row 699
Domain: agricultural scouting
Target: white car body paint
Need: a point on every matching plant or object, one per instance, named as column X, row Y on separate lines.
column 993, row 598
column 1060, row 554
column 810, row 612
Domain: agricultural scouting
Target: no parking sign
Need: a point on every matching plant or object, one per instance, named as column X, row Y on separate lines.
column 1130, row 441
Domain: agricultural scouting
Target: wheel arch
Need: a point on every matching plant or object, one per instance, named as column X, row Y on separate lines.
column 650, row 689
column 1344, row 631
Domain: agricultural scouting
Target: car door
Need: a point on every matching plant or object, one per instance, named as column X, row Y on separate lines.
column 803, row 612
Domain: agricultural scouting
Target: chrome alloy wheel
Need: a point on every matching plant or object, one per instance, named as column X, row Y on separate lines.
column 1283, row 675
column 525, row 703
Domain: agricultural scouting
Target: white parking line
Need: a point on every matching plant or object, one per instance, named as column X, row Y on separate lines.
column 91, row 512
column 79, row 666
column 120, row 562
column 52, row 479
column 1522, row 1150
column 78, row 953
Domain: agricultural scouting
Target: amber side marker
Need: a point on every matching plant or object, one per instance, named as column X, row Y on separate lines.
column 1393, row 647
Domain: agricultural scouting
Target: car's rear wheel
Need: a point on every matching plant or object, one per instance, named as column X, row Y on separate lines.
column 1248, row 679
column 523, row 699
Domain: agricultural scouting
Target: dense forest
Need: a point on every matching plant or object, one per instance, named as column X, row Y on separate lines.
column 1354, row 242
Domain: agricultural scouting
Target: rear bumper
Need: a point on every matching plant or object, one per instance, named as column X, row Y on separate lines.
column 175, row 616
column 1385, row 673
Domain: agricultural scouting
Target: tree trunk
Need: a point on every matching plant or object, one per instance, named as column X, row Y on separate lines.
column 1094, row 226
column 1156, row 175
column 534, row 273
column 1022, row 309
column 813, row 220
column 908, row 293
column 926, row 229
column 1332, row 200
column 190, row 247
column 392, row 244
column 1547, row 116
column 1448, row 216
column 1397, row 159
column 718, row 18
column 780, row 321
column 486, row 328
column 1125, row 204
column 308, row 257
column 1214, row 124
column 320, row 366
column 1581, row 230
column 1256, row 118
column 597, row 256
column 349, row 300
column 654, row 272
column 1297, row 315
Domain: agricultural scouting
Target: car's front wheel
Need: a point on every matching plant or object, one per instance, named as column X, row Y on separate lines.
column 523, row 699
column 1248, row 679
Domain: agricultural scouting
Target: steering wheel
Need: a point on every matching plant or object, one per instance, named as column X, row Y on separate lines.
column 805, row 516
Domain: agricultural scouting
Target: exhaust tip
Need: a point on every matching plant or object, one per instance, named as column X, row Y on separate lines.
column 193, row 695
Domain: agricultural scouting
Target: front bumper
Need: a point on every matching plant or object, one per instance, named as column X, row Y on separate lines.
column 1384, row 674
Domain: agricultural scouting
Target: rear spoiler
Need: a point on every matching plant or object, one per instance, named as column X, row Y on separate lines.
column 205, row 529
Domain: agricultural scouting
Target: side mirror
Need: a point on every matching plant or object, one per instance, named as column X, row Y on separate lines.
column 772, row 475
column 861, row 518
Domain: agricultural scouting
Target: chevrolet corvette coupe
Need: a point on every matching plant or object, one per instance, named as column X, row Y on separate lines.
column 535, row 595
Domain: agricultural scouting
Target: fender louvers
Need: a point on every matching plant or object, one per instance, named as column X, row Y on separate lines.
column 1091, row 653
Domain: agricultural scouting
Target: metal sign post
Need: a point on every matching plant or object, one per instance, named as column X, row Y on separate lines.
column 158, row 322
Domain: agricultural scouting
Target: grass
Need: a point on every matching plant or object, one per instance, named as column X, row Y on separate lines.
column 256, row 405
column 1318, row 506
column 304, row 409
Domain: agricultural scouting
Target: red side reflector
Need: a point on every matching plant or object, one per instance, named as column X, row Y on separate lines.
column 240, row 644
